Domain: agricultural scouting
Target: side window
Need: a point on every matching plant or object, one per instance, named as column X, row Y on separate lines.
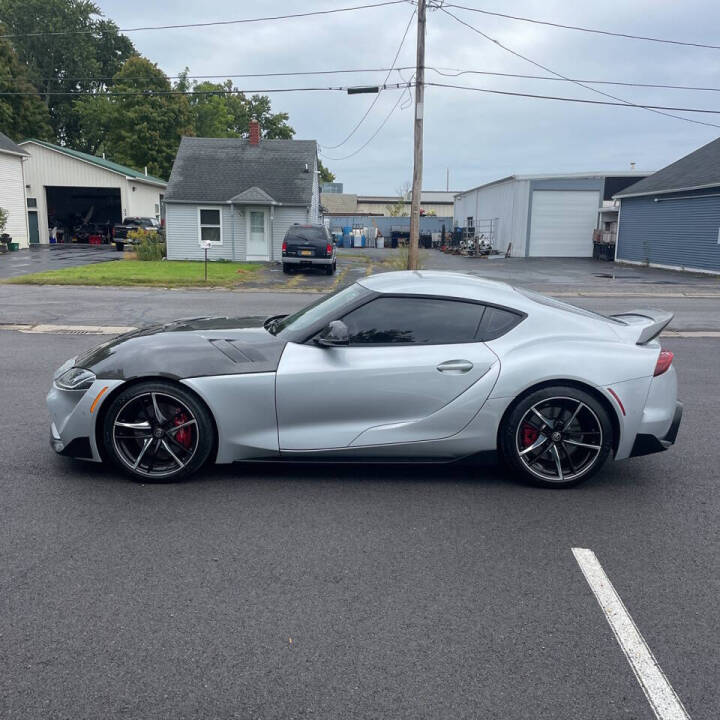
column 496, row 322
column 417, row 321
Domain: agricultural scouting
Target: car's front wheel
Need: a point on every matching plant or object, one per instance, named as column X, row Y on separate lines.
column 158, row 432
column 556, row 437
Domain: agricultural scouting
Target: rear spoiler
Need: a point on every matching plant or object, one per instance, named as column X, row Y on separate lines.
column 644, row 325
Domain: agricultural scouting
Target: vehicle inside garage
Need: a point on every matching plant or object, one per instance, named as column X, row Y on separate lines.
column 83, row 214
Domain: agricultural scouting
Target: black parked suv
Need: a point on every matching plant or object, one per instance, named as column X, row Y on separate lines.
column 308, row 246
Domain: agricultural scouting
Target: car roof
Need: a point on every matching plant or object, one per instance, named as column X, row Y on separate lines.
column 449, row 284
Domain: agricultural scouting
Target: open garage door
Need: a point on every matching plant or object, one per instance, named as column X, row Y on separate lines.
column 81, row 212
column 562, row 223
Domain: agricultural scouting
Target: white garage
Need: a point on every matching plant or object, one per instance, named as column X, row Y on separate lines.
column 541, row 215
column 562, row 223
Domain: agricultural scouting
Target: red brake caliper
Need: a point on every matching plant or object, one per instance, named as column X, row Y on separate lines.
column 529, row 435
column 184, row 435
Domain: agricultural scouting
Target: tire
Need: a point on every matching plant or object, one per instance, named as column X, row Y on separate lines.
column 330, row 269
column 172, row 437
column 571, row 443
column 286, row 268
column 119, row 246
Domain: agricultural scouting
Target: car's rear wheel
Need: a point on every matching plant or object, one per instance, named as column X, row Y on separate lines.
column 158, row 432
column 119, row 246
column 286, row 268
column 556, row 437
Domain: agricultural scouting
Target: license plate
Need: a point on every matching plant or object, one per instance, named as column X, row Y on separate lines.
column 306, row 253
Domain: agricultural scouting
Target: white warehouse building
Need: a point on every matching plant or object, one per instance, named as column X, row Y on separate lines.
column 541, row 215
column 63, row 185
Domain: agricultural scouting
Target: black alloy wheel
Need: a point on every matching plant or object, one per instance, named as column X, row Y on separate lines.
column 158, row 432
column 557, row 437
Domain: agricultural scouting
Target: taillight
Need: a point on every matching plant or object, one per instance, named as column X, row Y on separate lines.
column 328, row 250
column 664, row 361
column 284, row 247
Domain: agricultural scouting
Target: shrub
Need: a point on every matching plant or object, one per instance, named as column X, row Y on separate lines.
column 149, row 245
column 3, row 218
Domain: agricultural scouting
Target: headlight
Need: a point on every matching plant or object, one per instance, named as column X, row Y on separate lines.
column 75, row 379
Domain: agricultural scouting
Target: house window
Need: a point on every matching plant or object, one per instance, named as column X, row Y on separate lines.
column 210, row 224
column 470, row 222
column 32, row 202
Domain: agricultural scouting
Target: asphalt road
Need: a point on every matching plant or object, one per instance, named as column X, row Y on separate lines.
column 344, row 592
column 142, row 306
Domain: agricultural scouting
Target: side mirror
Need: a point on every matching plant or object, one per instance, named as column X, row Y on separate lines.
column 336, row 333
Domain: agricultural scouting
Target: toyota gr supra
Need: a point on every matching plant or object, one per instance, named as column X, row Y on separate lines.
column 402, row 366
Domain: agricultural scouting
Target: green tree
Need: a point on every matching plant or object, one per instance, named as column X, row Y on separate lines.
column 221, row 110
column 21, row 116
column 141, row 122
column 65, row 63
column 325, row 174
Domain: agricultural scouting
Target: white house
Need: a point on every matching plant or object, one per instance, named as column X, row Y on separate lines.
column 64, row 185
column 241, row 195
column 12, row 189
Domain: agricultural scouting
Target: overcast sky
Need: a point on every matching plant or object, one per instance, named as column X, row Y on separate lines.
column 479, row 137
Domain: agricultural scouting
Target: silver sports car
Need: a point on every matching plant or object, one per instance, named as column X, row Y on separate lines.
column 403, row 366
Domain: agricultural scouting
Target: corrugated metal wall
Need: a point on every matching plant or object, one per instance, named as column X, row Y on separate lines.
column 505, row 201
column 385, row 224
column 679, row 232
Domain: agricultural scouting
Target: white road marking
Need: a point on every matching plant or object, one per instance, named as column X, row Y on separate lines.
column 70, row 329
column 662, row 698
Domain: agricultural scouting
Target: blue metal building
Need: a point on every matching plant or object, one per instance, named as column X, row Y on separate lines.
column 672, row 218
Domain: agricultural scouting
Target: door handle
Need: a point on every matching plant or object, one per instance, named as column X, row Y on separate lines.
column 455, row 367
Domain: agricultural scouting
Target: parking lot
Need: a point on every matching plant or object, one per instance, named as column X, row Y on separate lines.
column 265, row 591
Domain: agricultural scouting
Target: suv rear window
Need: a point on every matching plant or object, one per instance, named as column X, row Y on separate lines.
column 304, row 235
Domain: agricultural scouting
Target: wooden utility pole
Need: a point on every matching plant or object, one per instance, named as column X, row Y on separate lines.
column 413, row 250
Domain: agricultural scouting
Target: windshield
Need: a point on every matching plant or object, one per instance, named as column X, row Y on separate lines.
column 314, row 312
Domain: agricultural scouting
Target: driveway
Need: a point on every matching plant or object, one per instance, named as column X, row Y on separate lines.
column 53, row 257
column 296, row 592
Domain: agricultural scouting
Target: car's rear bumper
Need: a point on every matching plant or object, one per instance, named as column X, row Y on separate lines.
column 646, row 444
column 308, row 260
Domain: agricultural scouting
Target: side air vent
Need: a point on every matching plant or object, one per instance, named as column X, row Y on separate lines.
column 231, row 351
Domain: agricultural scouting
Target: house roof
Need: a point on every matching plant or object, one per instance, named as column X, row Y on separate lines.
column 699, row 169
column 231, row 169
column 8, row 146
column 339, row 202
column 100, row 162
column 561, row 176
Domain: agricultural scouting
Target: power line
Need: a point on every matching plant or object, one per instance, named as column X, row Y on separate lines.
column 376, row 98
column 576, row 82
column 237, row 91
column 576, row 100
column 445, row 71
column 370, row 139
column 456, row 72
column 586, row 29
column 310, row 13
column 295, row 73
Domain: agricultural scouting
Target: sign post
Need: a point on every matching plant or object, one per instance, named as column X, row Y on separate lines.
column 205, row 245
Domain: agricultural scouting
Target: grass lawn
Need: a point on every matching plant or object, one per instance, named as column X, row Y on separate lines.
column 160, row 273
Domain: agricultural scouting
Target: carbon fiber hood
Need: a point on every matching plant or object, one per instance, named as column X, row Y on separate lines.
column 195, row 347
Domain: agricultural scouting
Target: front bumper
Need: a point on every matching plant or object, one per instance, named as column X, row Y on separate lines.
column 73, row 414
column 646, row 444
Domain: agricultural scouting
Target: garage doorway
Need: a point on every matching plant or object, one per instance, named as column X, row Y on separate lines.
column 562, row 223
column 83, row 214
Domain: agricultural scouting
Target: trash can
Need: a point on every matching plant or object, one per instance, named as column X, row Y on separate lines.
column 14, row 246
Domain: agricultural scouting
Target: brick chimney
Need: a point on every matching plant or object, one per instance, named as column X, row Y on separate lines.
column 254, row 132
